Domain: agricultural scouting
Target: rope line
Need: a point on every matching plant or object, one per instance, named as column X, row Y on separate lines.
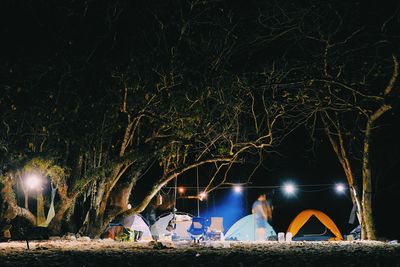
column 252, row 187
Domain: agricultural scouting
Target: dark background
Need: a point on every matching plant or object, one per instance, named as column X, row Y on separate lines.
column 32, row 32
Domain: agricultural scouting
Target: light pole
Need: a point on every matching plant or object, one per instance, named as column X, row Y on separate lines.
column 33, row 182
column 198, row 199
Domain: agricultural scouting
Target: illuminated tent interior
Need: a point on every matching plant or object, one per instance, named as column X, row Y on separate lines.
column 313, row 225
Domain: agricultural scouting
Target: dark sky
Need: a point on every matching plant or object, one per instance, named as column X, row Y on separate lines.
column 68, row 35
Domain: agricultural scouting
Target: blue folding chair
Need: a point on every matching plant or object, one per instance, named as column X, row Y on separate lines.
column 197, row 229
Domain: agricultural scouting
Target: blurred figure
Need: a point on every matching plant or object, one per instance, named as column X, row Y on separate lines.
column 268, row 208
column 262, row 212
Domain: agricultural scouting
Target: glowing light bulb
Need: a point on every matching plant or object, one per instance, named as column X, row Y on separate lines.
column 237, row 189
column 340, row 188
column 289, row 188
column 203, row 195
column 33, row 181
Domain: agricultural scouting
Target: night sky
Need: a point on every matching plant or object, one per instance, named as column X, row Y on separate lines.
column 71, row 48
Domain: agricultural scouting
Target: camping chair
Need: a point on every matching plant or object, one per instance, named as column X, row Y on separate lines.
column 197, row 229
column 216, row 229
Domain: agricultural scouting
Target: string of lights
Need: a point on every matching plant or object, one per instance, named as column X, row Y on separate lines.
column 288, row 188
column 251, row 187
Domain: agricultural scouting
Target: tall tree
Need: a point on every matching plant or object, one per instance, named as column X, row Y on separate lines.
column 346, row 83
column 103, row 110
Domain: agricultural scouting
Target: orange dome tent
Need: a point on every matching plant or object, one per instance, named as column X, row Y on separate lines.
column 303, row 217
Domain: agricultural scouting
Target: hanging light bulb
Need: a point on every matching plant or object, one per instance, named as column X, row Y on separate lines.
column 237, row 189
column 289, row 188
column 159, row 199
column 340, row 188
column 181, row 190
column 202, row 196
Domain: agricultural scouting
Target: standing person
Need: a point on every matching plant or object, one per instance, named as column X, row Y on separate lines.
column 262, row 214
column 268, row 208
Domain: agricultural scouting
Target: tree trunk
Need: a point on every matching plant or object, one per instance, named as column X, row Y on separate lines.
column 13, row 210
column 338, row 146
column 118, row 200
column 108, row 187
column 26, row 199
column 99, row 217
column 356, row 195
column 93, row 213
column 40, row 217
column 370, row 230
column 119, row 197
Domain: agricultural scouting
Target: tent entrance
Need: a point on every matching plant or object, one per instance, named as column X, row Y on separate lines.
column 313, row 229
column 314, row 225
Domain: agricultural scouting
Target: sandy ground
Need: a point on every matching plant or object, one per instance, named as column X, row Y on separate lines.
column 111, row 253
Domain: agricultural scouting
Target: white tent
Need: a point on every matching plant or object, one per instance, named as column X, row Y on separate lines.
column 138, row 223
column 183, row 222
column 244, row 230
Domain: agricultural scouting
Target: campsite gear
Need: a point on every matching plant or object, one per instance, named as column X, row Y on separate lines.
column 288, row 237
column 272, row 236
column 244, row 230
column 137, row 235
column 172, row 223
column 112, row 230
column 316, row 219
column 170, row 227
column 125, row 235
column 182, row 224
column 281, row 236
column 137, row 223
column 197, row 229
column 118, row 232
column 349, row 238
column 356, row 233
column 352, row 217
column 216, row 229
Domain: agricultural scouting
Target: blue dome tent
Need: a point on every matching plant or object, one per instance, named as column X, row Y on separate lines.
column 244, row 230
